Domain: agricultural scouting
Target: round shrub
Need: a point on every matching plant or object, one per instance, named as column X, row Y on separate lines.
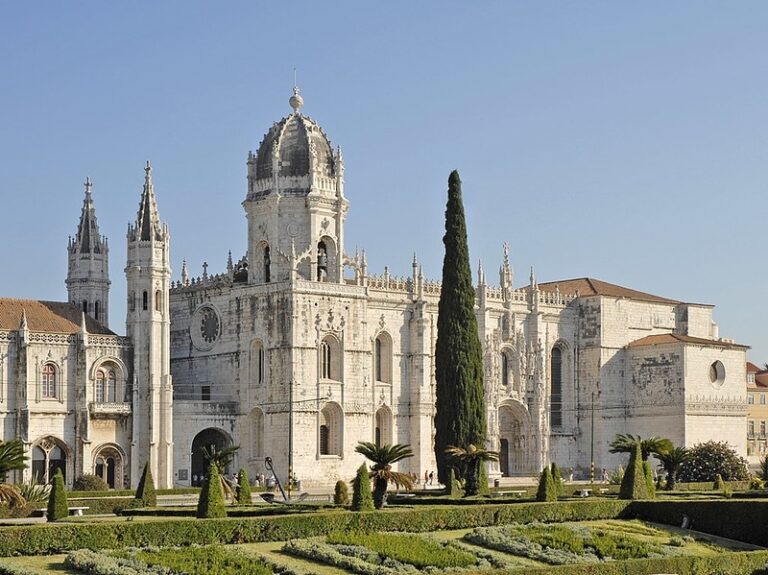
column 710, row 459
column 547, row 488
column 340, row 493
column 89, row 483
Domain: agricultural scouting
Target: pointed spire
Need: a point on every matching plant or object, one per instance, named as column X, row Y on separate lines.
column 533, row 278
column 148, row 220
column 23, row 325
column 83, row 327
column 480, row 273
column 184, row 273
column 88, row 239
column 230, row 265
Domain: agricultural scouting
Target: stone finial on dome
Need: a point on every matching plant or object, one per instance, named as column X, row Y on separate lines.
column 296, row 101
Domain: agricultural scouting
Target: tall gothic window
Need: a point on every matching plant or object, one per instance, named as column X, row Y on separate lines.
column 96, row 310
column 267, row 264
column 504, row 368
column 330, row 435
column 556, row 400
column 383, row 358
column 326, row 358
column 48, row 380
column 99, row 391
column 158, row 301
column 144, row 301
column 322, row 262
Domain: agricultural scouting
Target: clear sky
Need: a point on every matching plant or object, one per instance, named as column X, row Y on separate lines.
column 621, row 141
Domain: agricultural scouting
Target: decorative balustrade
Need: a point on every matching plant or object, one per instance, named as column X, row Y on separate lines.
column 110, row 408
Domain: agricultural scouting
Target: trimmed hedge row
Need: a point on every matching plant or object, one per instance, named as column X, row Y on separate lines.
column 740, row 520
column 43, row 539
column 232, row 511
column 736, row 563
column 131, row 492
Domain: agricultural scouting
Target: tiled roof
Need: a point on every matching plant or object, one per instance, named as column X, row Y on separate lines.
column 761, row 379
column 665, row 338
column 47, row 317
column 590, row 287
column 752, row 368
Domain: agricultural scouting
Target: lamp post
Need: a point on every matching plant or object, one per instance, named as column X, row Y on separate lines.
column 592, row 446
column 290, row 437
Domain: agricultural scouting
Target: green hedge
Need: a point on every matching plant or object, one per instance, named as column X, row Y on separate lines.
column 738, row 563
column 131, row 492
column 232, row 511
column 43, row 539
column 740, row 520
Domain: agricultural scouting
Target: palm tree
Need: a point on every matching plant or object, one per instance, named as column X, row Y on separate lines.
column 221, row 458
column 624, row 442
column 383, row 456
column 11, row 457
column 671, row 461
column 471, row 458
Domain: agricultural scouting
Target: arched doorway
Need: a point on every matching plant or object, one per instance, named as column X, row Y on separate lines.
column 108, row 463
column 514, row 450
column 209, row 439
column 48, row 455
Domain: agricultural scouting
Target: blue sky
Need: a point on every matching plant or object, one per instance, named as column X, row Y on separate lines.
column 622, row 141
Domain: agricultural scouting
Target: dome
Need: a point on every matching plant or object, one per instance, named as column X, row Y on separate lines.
column 295, row 139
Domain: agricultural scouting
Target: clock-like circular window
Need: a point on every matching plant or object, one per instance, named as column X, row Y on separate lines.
column 717, row 373
column 205, row 327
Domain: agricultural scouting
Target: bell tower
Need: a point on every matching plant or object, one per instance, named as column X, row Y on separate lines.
column 148, row 274
column 295, row 203
column 88, row 270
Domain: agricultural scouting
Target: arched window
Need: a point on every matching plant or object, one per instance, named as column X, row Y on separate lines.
column 48, row 380
column 47, row 457
column 96, row 310
column 85, row 306
column 556, row 399
column 158, row 301
column 330, row 365
column 322, row 262
column 144, row 301
column 111, row 386
column 383, row 358
column 258, row 367
column 504, row 368
column 267, row 265
column 330, row 435
column 109, row 464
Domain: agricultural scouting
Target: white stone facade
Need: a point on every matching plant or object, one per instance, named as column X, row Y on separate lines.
column 296, row 352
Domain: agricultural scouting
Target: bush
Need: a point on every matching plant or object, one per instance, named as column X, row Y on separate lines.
column 341, row 493
column 547, row 489
column 89, row 483
column 214, row 560
column 362, row 498
column 243, row 495
column 47, row 539
column 211, row 503
column 557, row 478
column 649, row 484
column 719, row 484
column 755, row 483
column 455, row 490
column 57, row 500
column 710, row 458
column 616, row 476
column 146, row 490
column 633, row 485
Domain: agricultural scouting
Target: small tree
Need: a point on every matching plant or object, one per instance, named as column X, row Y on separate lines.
column 11, row 457
column 57, row 500
column 712, row 458
column 340, row 493
column 473, row 460
column 243, row 488
column 557, row 478
column 146, row 490
column 633, row 485
column 383, row 457
column 719, row 484
column 650, row 485
column 211, row 502
column 547, row 489
column 671, row 461
column 362, row 498
column 455, row 489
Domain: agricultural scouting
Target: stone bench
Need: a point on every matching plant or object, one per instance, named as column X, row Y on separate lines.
column 74, row 511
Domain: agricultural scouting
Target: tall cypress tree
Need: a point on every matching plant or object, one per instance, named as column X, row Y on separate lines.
column 460, row 415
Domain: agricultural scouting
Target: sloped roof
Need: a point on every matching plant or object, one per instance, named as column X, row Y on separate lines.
column 591, row 287
column 665, row 338
column 752, row 368
column 761, row 379
column 47, row 317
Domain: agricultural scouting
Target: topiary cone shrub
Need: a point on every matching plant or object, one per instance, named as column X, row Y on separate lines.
column 341, row 493
column 243, row 495
column 455, row 490
column 557, row 478
column 649, row 484
column 362, row 498
column 146, row 490
column 633, row 485
column 547, row 489
column 57, row 500
column 211, row 502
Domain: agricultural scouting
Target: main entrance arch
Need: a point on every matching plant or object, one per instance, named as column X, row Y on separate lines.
column 514, row 440
column 207, row 439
